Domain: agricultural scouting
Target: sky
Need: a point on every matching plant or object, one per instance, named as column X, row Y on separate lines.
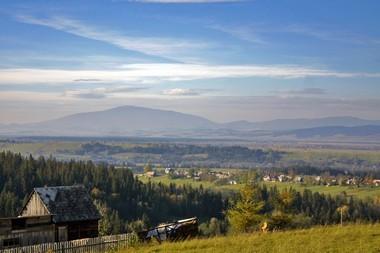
column 225, row 60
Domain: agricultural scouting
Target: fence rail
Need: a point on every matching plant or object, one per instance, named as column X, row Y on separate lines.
column 99, row 244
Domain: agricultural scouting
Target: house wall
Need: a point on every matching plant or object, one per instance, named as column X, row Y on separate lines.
column 26, row 231
column 34, row 207
column 79, row 229
column 30, row 236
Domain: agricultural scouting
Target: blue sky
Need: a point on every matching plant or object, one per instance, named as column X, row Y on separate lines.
column 222, row 59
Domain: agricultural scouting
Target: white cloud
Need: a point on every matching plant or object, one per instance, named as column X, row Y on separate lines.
column 157, row 46
column 241, row 32
column 101, row 92
column 181, row 92
column 301, row 92
column 161, row 72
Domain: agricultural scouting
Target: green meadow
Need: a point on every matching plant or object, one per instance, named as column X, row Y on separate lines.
column 349, row 238
column 362, row 192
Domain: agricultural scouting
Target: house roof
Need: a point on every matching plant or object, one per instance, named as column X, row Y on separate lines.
column 68, row 203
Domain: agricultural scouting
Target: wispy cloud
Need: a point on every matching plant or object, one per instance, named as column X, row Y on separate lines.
column 301, row 92
column 87, row 80
column 260, row 33
column 181, row 92
column 156, row 46
column 241, row 32
column 328, row 34
column 101, row 92
column 161, row 72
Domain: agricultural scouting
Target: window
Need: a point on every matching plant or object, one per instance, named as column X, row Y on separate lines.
column 10, row 242
column 19, row 223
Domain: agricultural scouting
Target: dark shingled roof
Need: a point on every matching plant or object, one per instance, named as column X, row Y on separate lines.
column 68, row 203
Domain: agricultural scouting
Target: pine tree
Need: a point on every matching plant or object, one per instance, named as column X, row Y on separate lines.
column 246, row 214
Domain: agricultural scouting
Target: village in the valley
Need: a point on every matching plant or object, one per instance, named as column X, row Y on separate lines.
column 234, row 177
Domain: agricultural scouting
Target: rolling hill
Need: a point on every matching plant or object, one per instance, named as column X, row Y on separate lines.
column 330, row 131
column 288, row 124
column 125, row 120
column 147, row 122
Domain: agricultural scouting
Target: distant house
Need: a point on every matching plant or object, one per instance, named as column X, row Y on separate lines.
column 232, row 182
column 168, row 170
column 222, row 175
column 151, row 173
column 332, row 182
column 267, row 178
column 283, row 178
column 51, row 214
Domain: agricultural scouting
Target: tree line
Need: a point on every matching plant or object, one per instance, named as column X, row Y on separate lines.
column 258, row 207
column 178, row 153
column 125, row 202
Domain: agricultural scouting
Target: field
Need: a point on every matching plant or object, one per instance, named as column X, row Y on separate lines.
column 350, row 238
column 311, row 154
column 67, row 149
column 362, row 192
column 326, row 154
column 184, row 181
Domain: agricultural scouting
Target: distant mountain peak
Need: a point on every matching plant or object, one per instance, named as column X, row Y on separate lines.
column 130, row 120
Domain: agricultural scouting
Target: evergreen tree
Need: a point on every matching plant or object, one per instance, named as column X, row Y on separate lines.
column 245, row 215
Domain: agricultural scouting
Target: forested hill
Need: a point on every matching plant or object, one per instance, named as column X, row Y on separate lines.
column 127, row 204
column 120, row 196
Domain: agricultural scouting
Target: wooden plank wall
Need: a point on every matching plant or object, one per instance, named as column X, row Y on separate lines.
column 110, row 243
column 34, row 207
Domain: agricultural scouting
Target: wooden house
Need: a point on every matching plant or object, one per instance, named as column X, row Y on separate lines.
column 73, row 212
column 52, row 214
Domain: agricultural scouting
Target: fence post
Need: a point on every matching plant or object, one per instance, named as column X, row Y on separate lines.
column 97, row 244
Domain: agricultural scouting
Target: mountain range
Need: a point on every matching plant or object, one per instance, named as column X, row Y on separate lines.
column 140, row 121
column 288, row 124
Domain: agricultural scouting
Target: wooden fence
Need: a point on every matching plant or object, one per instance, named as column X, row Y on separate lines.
column 110, row 243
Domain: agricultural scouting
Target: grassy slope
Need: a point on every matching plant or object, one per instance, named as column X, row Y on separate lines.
column 350, row 238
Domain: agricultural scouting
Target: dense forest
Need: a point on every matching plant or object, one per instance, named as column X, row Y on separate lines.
column 127, row 204
column 122, row 199
column 290, row 208
column 183, row 153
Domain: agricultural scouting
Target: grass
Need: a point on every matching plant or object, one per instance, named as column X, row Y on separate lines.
column 325, row 154
column 350, row 238
column 164, row 179
column 362, row 192
column 40, row 148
